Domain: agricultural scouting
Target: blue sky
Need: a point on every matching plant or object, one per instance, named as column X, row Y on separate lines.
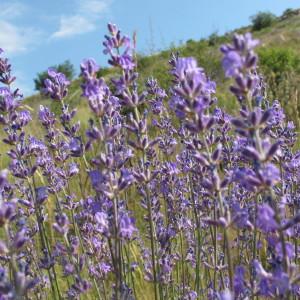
column 36, row 34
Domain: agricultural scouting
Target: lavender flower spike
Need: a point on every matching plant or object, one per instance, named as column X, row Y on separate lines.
column 56, row 86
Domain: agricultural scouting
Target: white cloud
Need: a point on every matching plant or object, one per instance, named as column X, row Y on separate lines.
column 15, row 39
column 84, row 19
column 73, row 25
column 93, row 7
column 11, row 10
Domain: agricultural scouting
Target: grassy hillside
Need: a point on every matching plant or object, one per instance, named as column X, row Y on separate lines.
column 281, row 38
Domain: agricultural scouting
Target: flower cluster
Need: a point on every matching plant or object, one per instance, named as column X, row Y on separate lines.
column 163, row 195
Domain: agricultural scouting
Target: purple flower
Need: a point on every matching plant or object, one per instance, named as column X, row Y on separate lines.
column 277, row 116
column 232, row 62
column 97, row 180
column 104, row 268
column 97, row 93
column 239, row 55
column 280, row 282
column 36, row 146
column 3, row 178
column 62, row 224
column 289, row 248
column 7, row 212
column 68, row 269
column 192, row 94
column 190, row 295
column 89, row 68
column 261, row 272
column 5, row 71
column 193, row 80
column 125, row 179
column 76, row 147
column 240, row 216
column 266, row 218
column 269, row 283
column 247, row 178
column 239, row 280
column 238, row 62
column 102, row 221
column 186, row 65
column 56, row 86
column 20, row 239
column 127, row 226
column 41, row 194
column 269, row 174
column 73, row 169
column 112, row 28
column 7, row 100
column 125, row 62
column 23, row 118
column 46, row 117
column 113, row 45
column 241, row 43
column 226, row 295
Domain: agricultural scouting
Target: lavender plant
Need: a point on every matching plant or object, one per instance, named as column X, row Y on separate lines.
column 164, row 196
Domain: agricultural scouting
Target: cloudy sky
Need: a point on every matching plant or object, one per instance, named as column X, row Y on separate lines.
column 36, row 34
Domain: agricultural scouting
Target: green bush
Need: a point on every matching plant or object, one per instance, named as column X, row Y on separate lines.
column 288, row 13
column 66, row 68
column 278, row 60
column 104, row 71
column 281, row 67
column 262, row 20
column 213, row 39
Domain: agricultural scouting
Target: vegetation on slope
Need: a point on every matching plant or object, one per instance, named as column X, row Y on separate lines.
column 279, row 60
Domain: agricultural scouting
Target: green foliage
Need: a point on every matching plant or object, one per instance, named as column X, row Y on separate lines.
column 286, row 89
column 66, row 68
column 288, row 13
column 262, row 20
column 213, row 39
column 104, row 72
column 279, row 60
column 281, row 67
column 145, row 62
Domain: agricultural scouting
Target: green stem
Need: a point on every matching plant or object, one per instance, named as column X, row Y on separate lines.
column 150, row 217
column 182, row 263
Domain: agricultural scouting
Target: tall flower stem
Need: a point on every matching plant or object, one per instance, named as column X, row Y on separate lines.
column 222, row 213
column 153, row 255
column 117, row 249
column 150, row 218
column 14, row 267
column 226, row 238
column 198, row 233
column 43, row 237
column 182, row 263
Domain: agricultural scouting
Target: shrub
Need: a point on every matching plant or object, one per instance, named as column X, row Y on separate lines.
column 288, row 13
column 278, row 60
column 213, row 39
column 262, row 20
column 286, row 89
column 281, row 67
